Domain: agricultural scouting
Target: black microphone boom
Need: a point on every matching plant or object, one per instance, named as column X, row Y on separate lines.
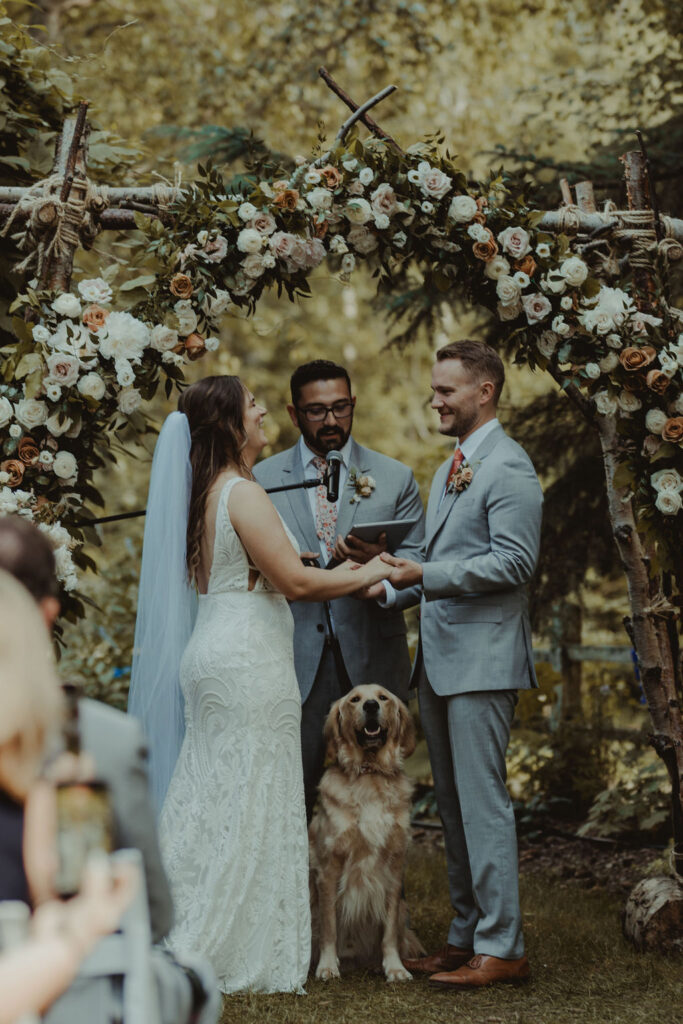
column 334, row 461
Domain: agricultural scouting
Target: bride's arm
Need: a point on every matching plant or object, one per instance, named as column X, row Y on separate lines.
column 260, row 529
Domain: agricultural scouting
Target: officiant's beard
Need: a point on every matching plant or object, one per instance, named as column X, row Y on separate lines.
column 324, row 438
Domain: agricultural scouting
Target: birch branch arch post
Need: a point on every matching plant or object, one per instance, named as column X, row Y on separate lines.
column 85, row 359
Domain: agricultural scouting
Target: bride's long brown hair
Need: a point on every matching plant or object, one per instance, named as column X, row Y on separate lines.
column 214, row 408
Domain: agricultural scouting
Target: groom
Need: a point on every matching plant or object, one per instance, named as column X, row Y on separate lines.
column 482, row 538
column 359, row 642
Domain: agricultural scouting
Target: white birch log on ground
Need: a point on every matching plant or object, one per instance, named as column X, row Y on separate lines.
column 653, row 916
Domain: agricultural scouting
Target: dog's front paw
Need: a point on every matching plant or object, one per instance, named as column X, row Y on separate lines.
column 395, row 971
column 327, row 969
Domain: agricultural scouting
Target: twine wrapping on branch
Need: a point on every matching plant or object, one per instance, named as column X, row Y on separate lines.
column 569, row 219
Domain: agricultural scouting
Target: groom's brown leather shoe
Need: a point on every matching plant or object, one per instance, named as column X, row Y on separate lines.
column 449, row 958
column 483, row 970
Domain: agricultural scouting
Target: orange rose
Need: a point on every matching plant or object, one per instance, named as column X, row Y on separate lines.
column 181, row 285
column 15, row 468
column 526, row 265
column 331, row 175
column 479, row 218
column 287, row 199
column 637, row 358
column 657, row 381
column 486, row 250
column 673, row 429
column 94, row 317
column 28, row 451
column 320, row 228
column 195, row 346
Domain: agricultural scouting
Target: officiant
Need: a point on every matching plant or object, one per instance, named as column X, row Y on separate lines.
column 350, row 641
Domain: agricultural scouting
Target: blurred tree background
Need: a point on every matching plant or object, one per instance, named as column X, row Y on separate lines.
column 550, row 88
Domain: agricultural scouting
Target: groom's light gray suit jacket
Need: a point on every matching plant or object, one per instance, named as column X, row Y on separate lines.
column 372, row 639
column 481, row 550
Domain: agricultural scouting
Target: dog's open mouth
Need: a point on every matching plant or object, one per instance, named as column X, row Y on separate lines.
column 371, row 735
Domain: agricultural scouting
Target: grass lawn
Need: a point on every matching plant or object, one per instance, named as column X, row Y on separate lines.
column 582, row 969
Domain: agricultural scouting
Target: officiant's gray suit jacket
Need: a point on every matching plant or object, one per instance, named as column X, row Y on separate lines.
column 372, row 639
column 481, row 550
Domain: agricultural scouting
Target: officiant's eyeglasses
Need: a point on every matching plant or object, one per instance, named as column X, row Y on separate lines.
column 317, row 413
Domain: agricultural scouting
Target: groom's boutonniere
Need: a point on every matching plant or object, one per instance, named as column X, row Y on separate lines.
column 363, row 485
column 461, row 479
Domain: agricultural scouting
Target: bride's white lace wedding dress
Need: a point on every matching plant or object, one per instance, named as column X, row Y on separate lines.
column 233, row 825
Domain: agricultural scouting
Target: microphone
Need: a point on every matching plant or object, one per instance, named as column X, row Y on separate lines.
column 334, row 461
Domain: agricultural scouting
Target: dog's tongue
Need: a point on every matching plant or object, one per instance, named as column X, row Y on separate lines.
column 372, row 732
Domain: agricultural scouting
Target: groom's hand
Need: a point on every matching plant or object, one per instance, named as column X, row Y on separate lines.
column 373, row 593
column 405, row 574
column 359, row 550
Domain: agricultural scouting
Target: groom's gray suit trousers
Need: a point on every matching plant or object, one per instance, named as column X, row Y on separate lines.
column 465, row 731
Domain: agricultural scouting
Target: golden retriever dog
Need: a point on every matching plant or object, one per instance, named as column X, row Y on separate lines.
column 359, row 835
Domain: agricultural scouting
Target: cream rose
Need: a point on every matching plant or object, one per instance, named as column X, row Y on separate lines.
column 656, row 420
column 462, row 209
column 264, row 223
column 40, row 333
column 63, row 369
column 129, row 400
column 609, row 362
column 95, row 289
column 362, row 239
column 319, row 198
column 383, row 200
column 536, row 307
column 162, row 338
column 65, row 466
column 667, row 480
column 628, row 401
column 497, row 267
column 253, row 265
column 187, row 318
column 249, row 240
column 515, row 241
column 67, row 305
column 574, row 271
column 6, row 411
column 31, row 413
column 668, row 503
column 592, row 371
column 546, row 344
column 605, row 403
column 507, row 290
column 358, row 211
column 434, row 182
column 560, row 326
column 56, row 427
column 92, row 386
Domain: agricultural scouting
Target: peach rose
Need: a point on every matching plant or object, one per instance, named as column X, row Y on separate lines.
column 526, row 265
column 287, row 199
column 636, row 358
column 94, row 317
column 331, row 176
column 657, row 381
column 673, row 429
column 195, row 346
column 15, row 469
column 486, row 250
column 181, row 285
column 320, row 228
column 27, row 451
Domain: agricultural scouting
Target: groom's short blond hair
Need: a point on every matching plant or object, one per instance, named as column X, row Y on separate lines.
column 482, row 362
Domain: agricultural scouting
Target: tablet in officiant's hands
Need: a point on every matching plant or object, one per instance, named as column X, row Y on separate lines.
column 395, row 529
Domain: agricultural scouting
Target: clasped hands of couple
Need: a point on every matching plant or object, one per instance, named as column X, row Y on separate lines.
column 354, row 553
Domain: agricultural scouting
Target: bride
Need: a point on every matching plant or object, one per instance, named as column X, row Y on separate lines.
column 232, row 825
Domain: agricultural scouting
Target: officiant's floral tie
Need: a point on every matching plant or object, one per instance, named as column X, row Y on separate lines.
column 458, row 459
column 325, row 511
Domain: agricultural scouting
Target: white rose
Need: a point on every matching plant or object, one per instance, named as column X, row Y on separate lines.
column 560, row 326
column 358, row 211
column 667, row 480
column 434, row 183
column 566, row 302
column 574, row 271
column 462, row 209
column 187, row 318
column 95, row 289
column 614, row 341
column 40, row 333
column 668, row 364
column 478, row 232
column 427, row 207
column 63, row 369
column 617, row 303
column 543, row 250
column 400, row 239
column 338, row 244
column 92, row 386
column 536, row 307
column 264, row 223
column 348, row 263
column 605, row 403
column 597, row 320
column 6, row 411
column 67, row 304
column 366, row 175
column 53, row 392
column 125, row 375
column 319, row 198
column 73, row 338
column 123, row 337
column 497, row 267
column 15, row 430
column 668, row 503
column 247, row 211
column 628, row 401
column 381, row 221
column 521, row 278
column 592, row 370
column 31, row 412
column 383, row 199
column 215, row 305
column 507, row 290
column 172, row 359
column 129, row 399
column 253, row 265
column 162, row 338
column 56, row 427
column 249, row 240
column 268, row 260
column 609, row 362
column 46, row 458
column 655, row 421
column 515, row 241
column 554, row 283
column 211, row 344
column 65, row 466
column 350, row 164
